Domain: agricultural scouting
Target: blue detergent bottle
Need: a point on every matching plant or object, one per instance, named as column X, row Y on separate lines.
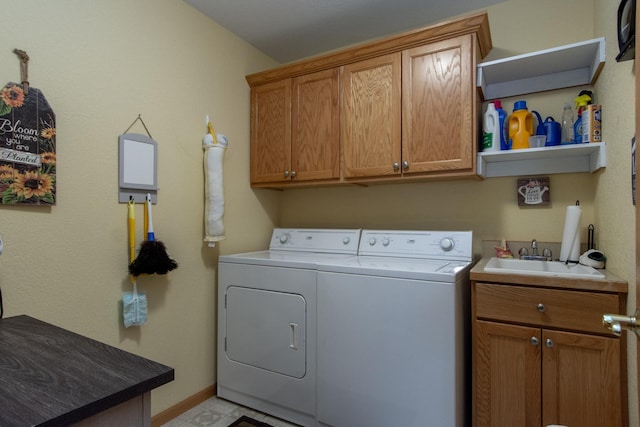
column 502, row 118
column 582, row 101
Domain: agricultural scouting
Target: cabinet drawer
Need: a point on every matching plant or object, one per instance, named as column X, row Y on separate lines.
column 573, row 310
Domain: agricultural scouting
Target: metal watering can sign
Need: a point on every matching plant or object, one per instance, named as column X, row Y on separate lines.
column 533, row 191
column 27, row 147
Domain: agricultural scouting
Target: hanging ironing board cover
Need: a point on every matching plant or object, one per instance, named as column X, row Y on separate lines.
column 27, row 147
column 214, row 189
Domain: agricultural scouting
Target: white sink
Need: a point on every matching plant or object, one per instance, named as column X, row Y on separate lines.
column 541, row 268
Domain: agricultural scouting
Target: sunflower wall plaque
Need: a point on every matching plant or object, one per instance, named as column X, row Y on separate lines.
column 27, row 147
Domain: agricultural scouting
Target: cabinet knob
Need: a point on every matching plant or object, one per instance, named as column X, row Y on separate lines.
column 293, row 174
column 549, row 343
column 541, row 308
column 396, row 166
column 534, row 341
column 286, row 174
column 405, row 165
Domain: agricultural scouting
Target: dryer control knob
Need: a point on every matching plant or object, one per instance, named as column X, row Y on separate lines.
column 284, row 238
column 385, row 241
column 447, row 244
column 372, row 241
column 346, row 240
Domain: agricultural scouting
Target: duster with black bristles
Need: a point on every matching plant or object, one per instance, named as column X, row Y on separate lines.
column 152, row 257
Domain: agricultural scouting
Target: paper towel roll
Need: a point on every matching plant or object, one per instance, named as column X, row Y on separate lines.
column 570, row 249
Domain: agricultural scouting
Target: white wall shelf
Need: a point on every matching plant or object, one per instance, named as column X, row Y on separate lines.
column 560, row 67
column 572, row 158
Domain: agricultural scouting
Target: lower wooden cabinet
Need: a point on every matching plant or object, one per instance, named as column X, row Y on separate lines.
column 530, row 369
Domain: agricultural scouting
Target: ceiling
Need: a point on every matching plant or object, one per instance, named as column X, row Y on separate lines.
column 288, row 30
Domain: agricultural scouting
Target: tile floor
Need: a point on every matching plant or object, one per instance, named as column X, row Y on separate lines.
column 216, row 412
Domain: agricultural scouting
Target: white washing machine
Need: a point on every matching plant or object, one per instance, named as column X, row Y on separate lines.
column 393, row 332
column 267, row 321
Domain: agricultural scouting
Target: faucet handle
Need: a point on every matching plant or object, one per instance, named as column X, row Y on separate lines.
column 523, row 252
column 546, row 252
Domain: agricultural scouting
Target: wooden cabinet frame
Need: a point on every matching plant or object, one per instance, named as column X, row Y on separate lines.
column 394, row 149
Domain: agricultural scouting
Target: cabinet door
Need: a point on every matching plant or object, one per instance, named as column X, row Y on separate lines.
column 371, row 93
column 315, row 131
column 271, row 132
column 439, row 107
column 581, row 380
column 507, row 375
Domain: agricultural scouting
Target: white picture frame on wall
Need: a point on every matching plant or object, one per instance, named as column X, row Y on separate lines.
column 138, row 167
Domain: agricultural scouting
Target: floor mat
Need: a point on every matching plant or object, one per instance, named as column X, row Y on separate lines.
column 245, row 421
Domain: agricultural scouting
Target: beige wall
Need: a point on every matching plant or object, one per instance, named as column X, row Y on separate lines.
column 489, row 207
column 614, row 208
column 102, row 63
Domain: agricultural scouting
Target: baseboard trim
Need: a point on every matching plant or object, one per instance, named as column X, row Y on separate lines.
column 182, row 406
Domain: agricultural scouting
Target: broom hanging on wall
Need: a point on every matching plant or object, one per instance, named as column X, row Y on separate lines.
column 152, row 257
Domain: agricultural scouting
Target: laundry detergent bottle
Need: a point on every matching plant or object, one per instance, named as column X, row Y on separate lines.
column 520, row 126
column 582, row 101
column 491, row 129
column 504, row 123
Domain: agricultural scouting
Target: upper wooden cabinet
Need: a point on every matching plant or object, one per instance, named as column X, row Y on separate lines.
column 295, row 126
column 399, row 108
column 439, row 107
column 315, row 126
column 371, row 117
column 271, row 132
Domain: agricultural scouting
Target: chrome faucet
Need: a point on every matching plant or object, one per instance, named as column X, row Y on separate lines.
column 524, row 253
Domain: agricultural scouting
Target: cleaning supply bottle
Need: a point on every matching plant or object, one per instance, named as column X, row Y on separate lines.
column 567, row 135
column 582, row 101
column 491, row 129
column 520, row 126
column 504, row 126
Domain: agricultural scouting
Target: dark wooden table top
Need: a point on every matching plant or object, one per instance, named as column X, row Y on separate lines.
column 51, row 376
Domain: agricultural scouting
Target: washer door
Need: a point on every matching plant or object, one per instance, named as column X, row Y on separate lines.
column 266, row 329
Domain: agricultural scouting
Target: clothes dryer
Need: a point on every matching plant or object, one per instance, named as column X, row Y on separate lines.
column 267, row 321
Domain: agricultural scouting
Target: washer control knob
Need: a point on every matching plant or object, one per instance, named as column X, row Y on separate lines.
column 346, row 240
column 372, row 241
column 385, row 241
column 284, row 238
column 447, row 244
